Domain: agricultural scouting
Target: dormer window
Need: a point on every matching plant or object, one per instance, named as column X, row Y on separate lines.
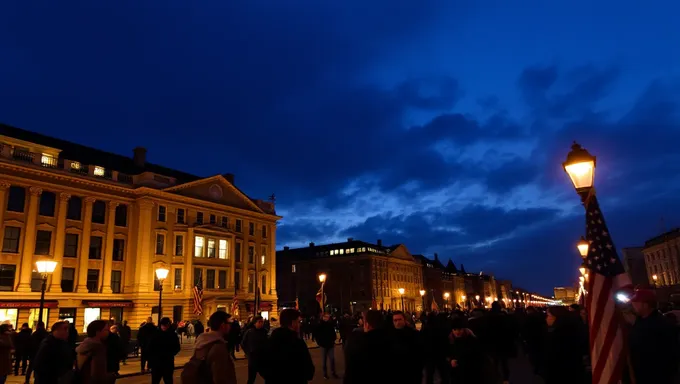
column 75, row 165
column 98, row 171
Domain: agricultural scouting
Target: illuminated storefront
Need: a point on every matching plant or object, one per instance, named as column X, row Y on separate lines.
column 105, row 310
column 16, row 312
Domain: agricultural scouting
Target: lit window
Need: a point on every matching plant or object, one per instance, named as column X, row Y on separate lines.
column 199, row 242
column 293, row 268
column 75, row 165
column 48, row 160
column 211, row 248
column 99, row 171
column 262, row 259
column 223, row 250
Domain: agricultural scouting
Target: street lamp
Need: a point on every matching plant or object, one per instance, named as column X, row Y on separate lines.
column 463, row 297
column 656, row 279
column 583, row 246
column 446, row 297
column 580, row 166
column 161, row 274
column 322, row 280
column 422, row 298
column 45, row 268
column 401, row 293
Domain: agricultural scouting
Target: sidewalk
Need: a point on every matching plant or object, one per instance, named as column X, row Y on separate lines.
column 133, row 366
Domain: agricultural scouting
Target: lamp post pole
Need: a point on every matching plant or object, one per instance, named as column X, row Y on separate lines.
column 322, row 280
column 42, row 297
column 422, row 299
column 45, row 268
column 401, row 293
column 160, row 301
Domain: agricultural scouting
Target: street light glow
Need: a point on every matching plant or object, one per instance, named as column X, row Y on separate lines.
column 46, row 266
column 401, row 291
column 583, row 247
column 162, row 273
column 422, row 292
column 322, row 277
column 446, row 295
column 580, row 166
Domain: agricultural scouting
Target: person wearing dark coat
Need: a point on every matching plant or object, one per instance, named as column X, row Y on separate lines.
column 434, row 336
column 325, row 336
column 564, row 348
column 54, row 357
column 22, row 349
column 125, row 334
column 36, row 338
column 253, row 343
column 143, row 338
column 114, row 350
column 163, row 347
column 500, row 338
column 234, row 338
column 652, row 341
column 370, row 349
column 465, row 355
column 408, row 349
column 287, row 359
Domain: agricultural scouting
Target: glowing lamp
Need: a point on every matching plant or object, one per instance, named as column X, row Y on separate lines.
column 162, row 273
column 46, row 266
column 583, row 247
column 422, row 292
column 401, row 291
column 446, row 295
column 580, row 166
column 463, row 297
column 322, row 277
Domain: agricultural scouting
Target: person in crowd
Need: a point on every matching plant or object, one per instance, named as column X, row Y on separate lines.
column 564, row 347
column 36, row 338
column 114, row 350
column 5, row 352
column 234, row 338
column 500, row 338
column 54, row 358
column 286, row 359
column 143, row 338
column 163, row 347
column 369, row 349
column 652, row 341
column 198, row 328
column 325, row 337
column 91, row 357
column 465, row 354
column 435, row 338
column 253, row 344
column 22, row 349
column 407, row 348
column 211, row 348
column 72, row 338
column 125, row 334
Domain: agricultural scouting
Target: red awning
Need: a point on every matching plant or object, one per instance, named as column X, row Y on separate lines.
column 109, row 303
column 263, row 304
column 28, row 304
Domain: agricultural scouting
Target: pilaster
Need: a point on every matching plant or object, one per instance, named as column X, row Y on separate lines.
column 4, row 187
column 232, row 266
column 189, row 261
column 59, row 240
column 143, row 272
column 108, row 255
column 272, row 260
column 84, row 253
column 29, row 240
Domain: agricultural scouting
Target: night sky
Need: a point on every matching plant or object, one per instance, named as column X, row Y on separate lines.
column 440, row 125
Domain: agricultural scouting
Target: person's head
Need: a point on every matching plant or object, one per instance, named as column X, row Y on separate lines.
column 149, row 320
column 574, row 308
column 372, row 320
column 399, row 319
column 326, row 316
column 41, row 325
column 643, row 302
column 496, row 306
column 290, row 318
column 458, row 326
column 24, row 326
column 258, row 321
column 165, row 323
column 555, row 314
column 124, row 322
column 220, row 321
column 60, row 330
column 5, row 328
column 113, row 328
column 98, row 329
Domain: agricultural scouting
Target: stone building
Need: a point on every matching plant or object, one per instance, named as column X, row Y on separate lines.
column 662, row 258
column 109, row 221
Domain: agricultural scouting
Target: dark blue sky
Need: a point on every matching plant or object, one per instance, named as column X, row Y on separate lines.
column 439, row 124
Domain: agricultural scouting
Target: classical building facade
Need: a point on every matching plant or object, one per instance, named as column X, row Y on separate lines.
column 109, row 221
column 359, row 276
column 662, row 259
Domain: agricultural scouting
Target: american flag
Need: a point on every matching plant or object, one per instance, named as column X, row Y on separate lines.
column 320, row 297
column 234, row 306
column 198, row 295
column 434, row 305
column 297, row 303
column 606, row 276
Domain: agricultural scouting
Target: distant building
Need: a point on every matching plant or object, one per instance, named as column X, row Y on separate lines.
column 360, row 275
column 566, row 294
column 662, row 258
column 441, row 280
column 634, row 263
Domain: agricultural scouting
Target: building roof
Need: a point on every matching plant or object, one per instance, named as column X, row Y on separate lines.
column 313, row 249
column 92, row 156
column 662, row 238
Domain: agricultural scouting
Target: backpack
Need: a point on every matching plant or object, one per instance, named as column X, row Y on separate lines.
column 197, row 370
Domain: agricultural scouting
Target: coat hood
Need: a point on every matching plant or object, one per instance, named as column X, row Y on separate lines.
column 89, row 345
column 208, row 338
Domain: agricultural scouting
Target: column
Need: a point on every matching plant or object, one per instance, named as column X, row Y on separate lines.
column 143, row 273
column 59, row 242
column 29, row 240
column 84, row 254
column 108, row 255
column 189, row 261
column 232, row 265
column 4, row 187
column 272, row 260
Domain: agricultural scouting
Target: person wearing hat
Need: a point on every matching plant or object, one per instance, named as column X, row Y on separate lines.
column 466, row 355
column 652, row 342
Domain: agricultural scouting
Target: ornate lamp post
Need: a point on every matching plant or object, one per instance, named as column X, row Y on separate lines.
column 446, row 297
column 322, row 280
column 464, row 302
column 401, row 293
column 422, row 298
column 161, row 274
column 45, row 268
column 656, row 280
